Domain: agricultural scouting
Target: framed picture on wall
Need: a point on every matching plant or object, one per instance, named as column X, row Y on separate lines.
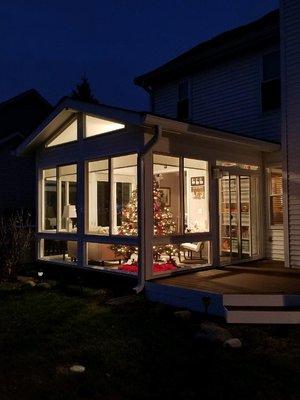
column 165, row 196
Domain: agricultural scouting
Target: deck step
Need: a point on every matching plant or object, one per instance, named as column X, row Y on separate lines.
column 261, row 300
column 263, row 315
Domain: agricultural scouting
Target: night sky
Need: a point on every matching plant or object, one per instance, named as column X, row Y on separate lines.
column 49, row 45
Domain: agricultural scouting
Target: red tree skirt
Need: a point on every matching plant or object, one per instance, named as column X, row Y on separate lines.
column 156, row 267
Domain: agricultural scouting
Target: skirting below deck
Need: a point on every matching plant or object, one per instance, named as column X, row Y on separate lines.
column 262, row 291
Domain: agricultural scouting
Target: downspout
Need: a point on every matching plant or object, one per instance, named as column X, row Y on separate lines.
column 148, row 146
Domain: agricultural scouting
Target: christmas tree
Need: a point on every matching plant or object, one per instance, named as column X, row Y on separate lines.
column 129, row 227
column 163, row 224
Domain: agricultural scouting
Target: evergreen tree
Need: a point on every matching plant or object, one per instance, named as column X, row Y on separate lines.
column 83, row 92
column 163, row 224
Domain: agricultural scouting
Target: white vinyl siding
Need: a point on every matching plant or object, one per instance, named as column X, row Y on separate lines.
column 275, row 244
column 226, row 96
column 291, row 144
column 165, row 100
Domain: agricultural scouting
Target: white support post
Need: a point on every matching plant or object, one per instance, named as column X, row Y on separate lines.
column 81, row 259
column 145, row 217
column 214, row 216
column 58, row 200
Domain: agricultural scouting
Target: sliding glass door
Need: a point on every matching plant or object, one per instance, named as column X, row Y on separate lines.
column 238, row 217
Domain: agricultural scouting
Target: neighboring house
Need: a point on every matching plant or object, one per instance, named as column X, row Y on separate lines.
column 165, row 199
column 231, row 82
column 18, row 117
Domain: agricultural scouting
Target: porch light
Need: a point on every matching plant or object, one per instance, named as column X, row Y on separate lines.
column 40, row 275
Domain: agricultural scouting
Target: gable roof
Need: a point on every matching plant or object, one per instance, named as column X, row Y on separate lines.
column 20, row 114
column 68, row 107
column 255, row 35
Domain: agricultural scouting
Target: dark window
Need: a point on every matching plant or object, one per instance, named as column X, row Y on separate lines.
column 183, row 101
column 270, row 85
column 271, row 66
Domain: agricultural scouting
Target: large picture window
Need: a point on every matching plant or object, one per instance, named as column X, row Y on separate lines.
column 196, row 183
column 169, row 194
column 98, row 197
column 49, row 206
column 124, row 195
column 112, row 196
column 59, row 199
column 166, row 195
column 68, row 198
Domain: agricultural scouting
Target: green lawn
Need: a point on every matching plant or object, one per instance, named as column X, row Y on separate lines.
column 135, row 351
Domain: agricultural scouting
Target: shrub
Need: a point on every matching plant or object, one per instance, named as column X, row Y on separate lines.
column 15, row 239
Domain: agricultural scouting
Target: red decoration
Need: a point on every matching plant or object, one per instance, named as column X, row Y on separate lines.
column 133, row 268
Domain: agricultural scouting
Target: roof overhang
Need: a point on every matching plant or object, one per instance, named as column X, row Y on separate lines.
column 180, row 128
column 68, row 108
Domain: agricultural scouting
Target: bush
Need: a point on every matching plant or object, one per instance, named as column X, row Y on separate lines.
column 15, row 240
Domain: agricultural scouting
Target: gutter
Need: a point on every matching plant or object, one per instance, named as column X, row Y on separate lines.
column 148, row 146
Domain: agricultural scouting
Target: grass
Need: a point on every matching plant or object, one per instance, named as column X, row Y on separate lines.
column 133, row 351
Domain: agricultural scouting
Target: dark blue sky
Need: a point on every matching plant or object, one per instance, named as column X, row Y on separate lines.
column 49, row 44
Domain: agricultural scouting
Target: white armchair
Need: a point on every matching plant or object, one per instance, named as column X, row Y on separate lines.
column 191, row 248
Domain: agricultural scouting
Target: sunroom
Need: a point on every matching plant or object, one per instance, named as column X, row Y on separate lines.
column 135, row 194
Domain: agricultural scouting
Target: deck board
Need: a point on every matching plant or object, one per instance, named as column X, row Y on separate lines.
column 260, row 277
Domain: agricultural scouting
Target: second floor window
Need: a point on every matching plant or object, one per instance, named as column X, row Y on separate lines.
column 183, row 101
column 270, row 84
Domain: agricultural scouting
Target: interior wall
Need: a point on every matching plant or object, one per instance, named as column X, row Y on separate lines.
column 171, row 180
column 196, row 210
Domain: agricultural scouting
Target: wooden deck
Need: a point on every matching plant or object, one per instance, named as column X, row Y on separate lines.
column 256, row 292
column 260, row 277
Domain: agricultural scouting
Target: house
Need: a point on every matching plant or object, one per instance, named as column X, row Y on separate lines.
column 231, row 82
column 18, row 117
column 188, row 198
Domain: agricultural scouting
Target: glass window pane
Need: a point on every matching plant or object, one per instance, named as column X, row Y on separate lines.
column 276, row 210
column 276, row 183
column 68, row 198
column 179, row 257
column 166, row 195
column 117, row 258
column 98, row 126
column 196, row 200
column 98, row 197
column 271, row 66
column 49, row 220
column 58, row 251
column 124, row 195
column 69, row 134
column 276, row 200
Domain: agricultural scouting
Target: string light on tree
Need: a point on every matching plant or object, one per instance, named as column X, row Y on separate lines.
column 163, row 224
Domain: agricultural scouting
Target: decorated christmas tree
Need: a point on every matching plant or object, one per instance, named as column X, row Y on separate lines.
column 163, row 224
column 129, row 227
